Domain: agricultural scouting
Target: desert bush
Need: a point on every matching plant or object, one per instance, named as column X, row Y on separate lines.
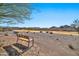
column 40, row 31
column 57, row 39
column 47, row 32
column 26, row 32
column 71, row 35
column 51, row 33
column 6, row 34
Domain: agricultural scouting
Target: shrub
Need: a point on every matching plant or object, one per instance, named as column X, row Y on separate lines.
column 6, row 34
column 40, row 31
column 57, row 39
column 51, row 33
column 47, row 32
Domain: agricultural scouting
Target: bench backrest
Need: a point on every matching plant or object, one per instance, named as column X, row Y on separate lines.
column 23, row 36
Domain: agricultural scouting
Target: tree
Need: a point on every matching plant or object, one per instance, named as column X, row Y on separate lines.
column 75, row 25
column 14, row 13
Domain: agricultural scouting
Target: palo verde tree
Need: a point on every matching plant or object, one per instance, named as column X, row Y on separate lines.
column 14, row 13
column 75, row 25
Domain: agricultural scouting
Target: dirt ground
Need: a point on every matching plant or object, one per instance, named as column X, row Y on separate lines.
column 46, row 44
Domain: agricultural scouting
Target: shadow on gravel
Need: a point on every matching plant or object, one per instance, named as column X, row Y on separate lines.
column 21, row 47
column 13, row 52
column 71, row 47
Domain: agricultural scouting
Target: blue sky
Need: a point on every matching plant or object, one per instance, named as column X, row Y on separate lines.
column 52, row 14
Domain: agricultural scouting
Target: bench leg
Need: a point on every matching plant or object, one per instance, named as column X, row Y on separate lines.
column 32, row 42
column 17, row 40
column 28, row 43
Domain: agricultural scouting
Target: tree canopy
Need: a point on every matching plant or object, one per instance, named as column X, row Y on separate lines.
column 14, row 13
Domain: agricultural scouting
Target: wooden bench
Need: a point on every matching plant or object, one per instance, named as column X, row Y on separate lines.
column 28, row 39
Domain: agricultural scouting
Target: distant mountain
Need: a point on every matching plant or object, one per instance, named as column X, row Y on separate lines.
column 62, row 28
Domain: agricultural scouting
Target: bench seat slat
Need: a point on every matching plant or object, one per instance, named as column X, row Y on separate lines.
column 23, row 39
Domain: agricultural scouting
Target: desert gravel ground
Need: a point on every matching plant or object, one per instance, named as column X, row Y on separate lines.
column 45, row 45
